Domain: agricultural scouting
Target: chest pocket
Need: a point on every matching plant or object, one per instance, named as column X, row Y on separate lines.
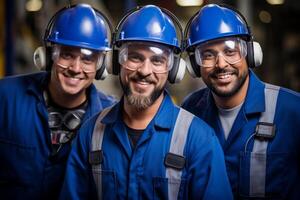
column 16, row 168
column 110, row 186
column 262, row 172
column 275, row 175
column 161, row 187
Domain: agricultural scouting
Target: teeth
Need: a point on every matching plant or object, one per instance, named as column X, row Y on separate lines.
column 224, row 76
column 143, row 82
column 74, row 78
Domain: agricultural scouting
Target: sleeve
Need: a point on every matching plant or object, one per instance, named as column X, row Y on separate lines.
column 206, row 165
column 78, row 182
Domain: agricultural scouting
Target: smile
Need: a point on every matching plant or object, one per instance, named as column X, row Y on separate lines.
column 72, row 77
column 224, row 75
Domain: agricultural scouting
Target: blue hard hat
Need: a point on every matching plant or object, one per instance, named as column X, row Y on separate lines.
column 213, row 22
column 149, row 24
column 80, row 26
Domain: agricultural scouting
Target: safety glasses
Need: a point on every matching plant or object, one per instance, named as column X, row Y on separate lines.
column 232, row 50
column 67, row 57
column 133, row 55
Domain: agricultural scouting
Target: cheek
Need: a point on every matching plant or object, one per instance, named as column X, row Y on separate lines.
column 204, row 72
column 162, row 79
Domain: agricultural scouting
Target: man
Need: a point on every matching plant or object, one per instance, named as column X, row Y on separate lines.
column 145, row 147
column 256, row 123
column 42, row 112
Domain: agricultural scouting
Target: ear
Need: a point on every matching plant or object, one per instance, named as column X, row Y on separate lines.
column 39, row 58
column 257, row 54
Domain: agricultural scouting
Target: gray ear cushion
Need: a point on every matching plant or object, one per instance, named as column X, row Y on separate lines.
column 39, row 58
column 173, row 72
column 257, row 54
column 101, row 72
column 189, row 67
column 179, row 74
column 108, row 62
column 192, row 66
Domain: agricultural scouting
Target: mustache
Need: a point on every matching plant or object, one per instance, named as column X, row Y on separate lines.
column 139, row 77
column 70, row 75
column 218, row 71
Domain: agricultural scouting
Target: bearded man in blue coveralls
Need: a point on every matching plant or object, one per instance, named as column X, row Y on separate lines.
column 145, row 147
column 256, row 123
column 42, row 112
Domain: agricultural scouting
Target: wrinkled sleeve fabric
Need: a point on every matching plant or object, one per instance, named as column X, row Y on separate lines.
column 78, row 182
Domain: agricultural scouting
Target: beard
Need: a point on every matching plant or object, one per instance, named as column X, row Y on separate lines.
column 236, row 85
column 141, row 102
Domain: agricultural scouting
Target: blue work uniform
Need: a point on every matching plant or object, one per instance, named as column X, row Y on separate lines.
column 28, row 170
column 282, row 172
column 139, row 173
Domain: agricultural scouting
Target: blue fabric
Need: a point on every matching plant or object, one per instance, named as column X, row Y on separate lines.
column 27, row 169
column 140, row 173
column 283, row 160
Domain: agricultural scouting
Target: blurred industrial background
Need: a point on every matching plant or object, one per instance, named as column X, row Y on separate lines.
column 274, row 24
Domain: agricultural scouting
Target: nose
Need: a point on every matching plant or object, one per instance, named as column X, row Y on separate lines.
column 221, row 62
column 145, row 68
column 76, row 65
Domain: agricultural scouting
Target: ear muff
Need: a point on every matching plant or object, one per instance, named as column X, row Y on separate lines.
column 254, row 54
column 115, row 69
column 101, row 72
column 39, row 58
column 192, row 67
column 43, row 55
column 258, row 54
column 177, row 72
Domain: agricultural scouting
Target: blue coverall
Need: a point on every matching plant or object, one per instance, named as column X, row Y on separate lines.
column 283, row 159
column 27, row 169
column 139, row 173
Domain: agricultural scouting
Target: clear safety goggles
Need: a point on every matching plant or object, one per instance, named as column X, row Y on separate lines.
column 71, row 120
column 232, row 50
column 67, row 57
column 133, row 55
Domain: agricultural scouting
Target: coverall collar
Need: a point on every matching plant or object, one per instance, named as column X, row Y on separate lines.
column 161, row 119
column 255, row 95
